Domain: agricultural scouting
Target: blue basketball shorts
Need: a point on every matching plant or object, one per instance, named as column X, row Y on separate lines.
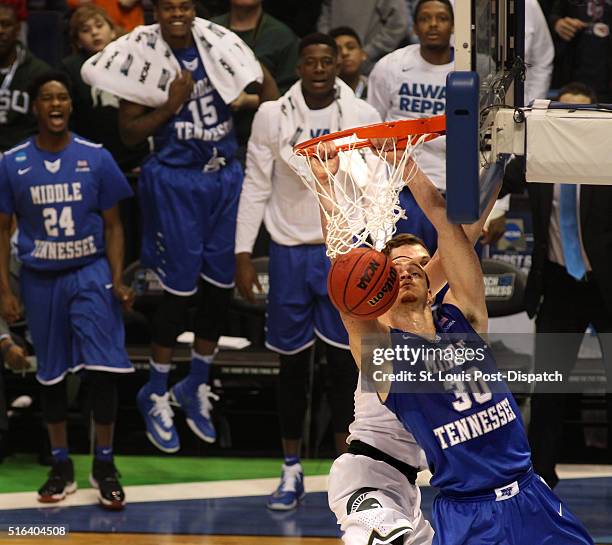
column 525, row 512
column 298, row 305
column 75, row 321
column 189, row 224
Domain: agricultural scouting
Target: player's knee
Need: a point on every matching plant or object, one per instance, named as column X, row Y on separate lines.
column 212, row 312
column 169, row 319
column 293, row 369
column 342, row 368
column 54, row 402
column 104, row 396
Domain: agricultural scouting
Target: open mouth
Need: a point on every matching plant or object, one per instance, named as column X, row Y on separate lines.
column 57, row 118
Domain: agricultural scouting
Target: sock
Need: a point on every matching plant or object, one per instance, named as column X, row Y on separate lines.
column 104, row 454
column 292, row 460
column 199, row 371
column 59, row 454
column 158, row 377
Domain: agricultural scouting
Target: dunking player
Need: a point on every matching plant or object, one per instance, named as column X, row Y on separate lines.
column 64, row 191
column 383, row 457
column 189, row 190
column 488, row 491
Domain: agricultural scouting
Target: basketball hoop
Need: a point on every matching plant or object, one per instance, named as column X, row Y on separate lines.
column 361, row 200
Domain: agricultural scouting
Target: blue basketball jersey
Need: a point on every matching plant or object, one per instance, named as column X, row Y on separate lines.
column 473, row 442
column 203, row 129
column 58, row 197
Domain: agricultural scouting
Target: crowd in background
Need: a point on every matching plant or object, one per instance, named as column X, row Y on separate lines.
column 370, row 41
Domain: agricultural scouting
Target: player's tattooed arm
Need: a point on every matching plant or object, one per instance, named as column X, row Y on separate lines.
column 114, row 243
column 138, row 122
column 9, row 304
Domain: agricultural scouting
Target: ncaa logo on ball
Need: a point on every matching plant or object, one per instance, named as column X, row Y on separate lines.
column 387, row 287
column 366, row 277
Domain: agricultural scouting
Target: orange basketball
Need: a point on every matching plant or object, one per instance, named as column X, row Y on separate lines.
column 363, row 283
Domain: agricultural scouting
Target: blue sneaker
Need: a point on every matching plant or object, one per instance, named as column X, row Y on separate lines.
column 290, row 491
column 158, row 415
column 194, row 399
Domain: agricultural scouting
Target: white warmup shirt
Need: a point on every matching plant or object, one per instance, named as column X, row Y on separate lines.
column 272, row 191
column 403, row 85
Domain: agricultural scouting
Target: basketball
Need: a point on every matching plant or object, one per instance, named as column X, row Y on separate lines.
column 363, row 283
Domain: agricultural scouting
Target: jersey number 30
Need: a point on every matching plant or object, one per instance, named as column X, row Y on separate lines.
column 65, row 221
column 480, row 391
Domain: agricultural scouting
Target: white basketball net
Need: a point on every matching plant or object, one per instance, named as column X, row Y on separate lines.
column 361, row 200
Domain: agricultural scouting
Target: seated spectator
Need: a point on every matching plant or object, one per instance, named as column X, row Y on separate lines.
column 95, row 111
column 583, row 45
column 381, row 24
column 352, row 56
column 275, row 45
column 126, row 14
column 17, row 69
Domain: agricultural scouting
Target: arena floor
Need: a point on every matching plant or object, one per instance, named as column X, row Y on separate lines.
column 214, row 501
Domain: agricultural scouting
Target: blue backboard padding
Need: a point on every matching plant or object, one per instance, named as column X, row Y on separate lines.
column 462, row 162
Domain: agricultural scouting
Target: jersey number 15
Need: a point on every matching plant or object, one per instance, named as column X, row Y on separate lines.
column 203, row 111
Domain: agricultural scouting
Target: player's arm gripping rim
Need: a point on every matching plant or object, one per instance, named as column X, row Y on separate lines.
column 473, row 231
column 324, row 163
column 459, row 261
column 9, row 304
column 114, row 243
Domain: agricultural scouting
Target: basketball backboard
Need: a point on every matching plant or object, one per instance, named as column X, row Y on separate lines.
column 489, row 73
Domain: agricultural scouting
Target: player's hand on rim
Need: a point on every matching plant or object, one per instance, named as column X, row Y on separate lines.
column 387, row 148
column 324, row 161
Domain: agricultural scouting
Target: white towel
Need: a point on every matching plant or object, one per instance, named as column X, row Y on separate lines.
column 294, row 119
column 140, row 65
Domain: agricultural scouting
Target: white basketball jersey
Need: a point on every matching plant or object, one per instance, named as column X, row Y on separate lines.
column 403, row 85
column 377, row 426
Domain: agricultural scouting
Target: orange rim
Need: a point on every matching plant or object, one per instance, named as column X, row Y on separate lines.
column 406, row 131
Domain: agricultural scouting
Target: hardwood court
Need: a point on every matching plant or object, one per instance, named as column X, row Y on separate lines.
column 157, row 539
